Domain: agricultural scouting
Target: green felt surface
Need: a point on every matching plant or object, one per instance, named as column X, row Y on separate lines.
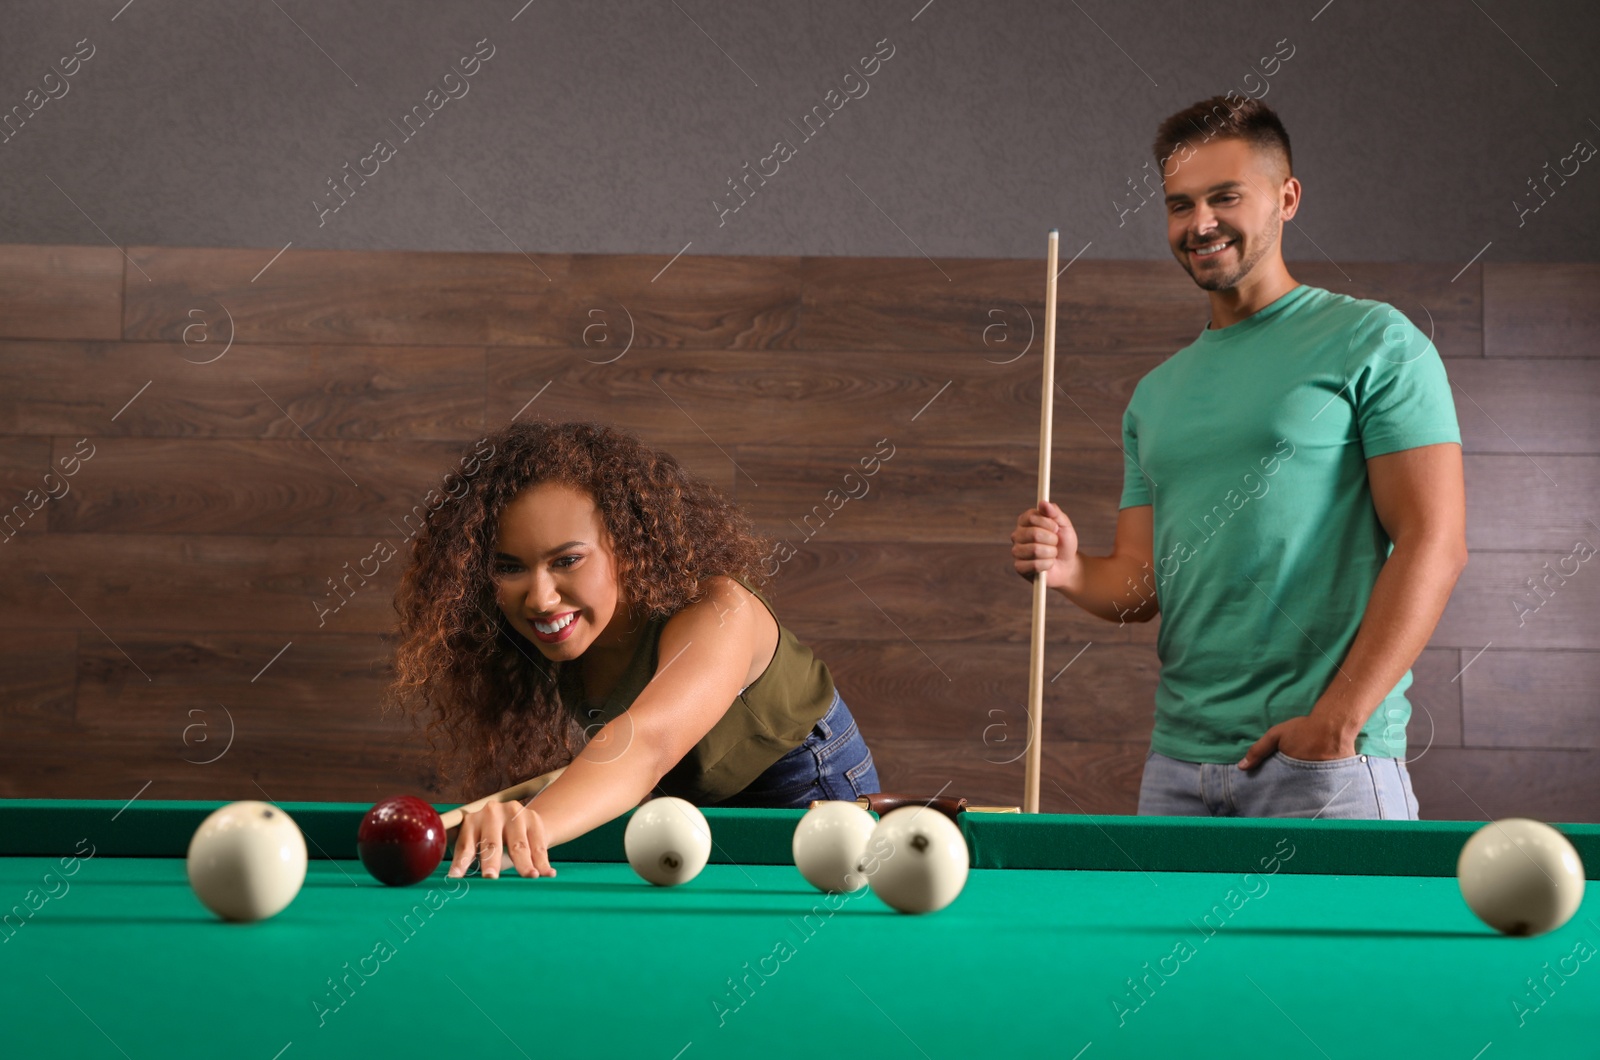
column 596, row 963
column 1357, row 946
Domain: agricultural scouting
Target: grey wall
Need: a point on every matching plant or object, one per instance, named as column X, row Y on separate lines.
column 610, row 127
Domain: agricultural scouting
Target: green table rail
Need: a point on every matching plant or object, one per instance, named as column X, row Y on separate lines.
column 43, row 827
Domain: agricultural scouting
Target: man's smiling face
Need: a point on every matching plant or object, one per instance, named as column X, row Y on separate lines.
column 1224, row 210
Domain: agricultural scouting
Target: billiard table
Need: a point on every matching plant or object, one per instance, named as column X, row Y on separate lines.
column 1075, row 936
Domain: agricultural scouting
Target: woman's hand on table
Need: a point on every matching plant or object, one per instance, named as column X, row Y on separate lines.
column 499, row 831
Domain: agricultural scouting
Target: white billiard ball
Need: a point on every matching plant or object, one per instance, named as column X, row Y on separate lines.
column 667, row 841
column 828, row 844
column 1520, row 877
column 247, row 861
column 916, row 860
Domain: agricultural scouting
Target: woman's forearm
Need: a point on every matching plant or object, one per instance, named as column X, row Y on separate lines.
column 611, row 776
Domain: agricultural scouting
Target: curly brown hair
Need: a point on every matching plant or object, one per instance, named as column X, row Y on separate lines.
column 496, row 712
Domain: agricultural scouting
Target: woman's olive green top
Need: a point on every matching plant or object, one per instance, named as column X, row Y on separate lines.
column 771, row 716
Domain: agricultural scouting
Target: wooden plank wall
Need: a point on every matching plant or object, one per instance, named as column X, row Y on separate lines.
column 237, row 431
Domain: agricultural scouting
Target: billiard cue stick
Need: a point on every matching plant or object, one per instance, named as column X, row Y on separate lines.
column 453, row 818
column 1030, row 790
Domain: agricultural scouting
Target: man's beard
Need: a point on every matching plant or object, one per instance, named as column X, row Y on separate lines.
column 1220, row 280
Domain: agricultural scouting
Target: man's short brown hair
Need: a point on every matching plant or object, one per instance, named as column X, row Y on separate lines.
column 1224, row 117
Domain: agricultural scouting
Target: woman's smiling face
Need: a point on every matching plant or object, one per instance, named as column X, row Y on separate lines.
column 554, row 571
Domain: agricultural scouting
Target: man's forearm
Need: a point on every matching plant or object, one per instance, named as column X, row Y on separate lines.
column 1116, row 588
column 1407, row 600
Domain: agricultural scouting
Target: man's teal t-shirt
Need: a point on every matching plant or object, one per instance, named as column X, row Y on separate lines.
column 1251, row 444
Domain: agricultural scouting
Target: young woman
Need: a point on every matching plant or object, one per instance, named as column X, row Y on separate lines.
column 585, row 602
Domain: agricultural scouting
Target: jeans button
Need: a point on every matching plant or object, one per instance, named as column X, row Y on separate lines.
column 1363, row 758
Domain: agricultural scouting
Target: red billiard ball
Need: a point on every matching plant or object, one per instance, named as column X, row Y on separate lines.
column 401, row 840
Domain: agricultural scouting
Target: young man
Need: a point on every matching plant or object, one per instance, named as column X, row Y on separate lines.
column 1292, row 506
